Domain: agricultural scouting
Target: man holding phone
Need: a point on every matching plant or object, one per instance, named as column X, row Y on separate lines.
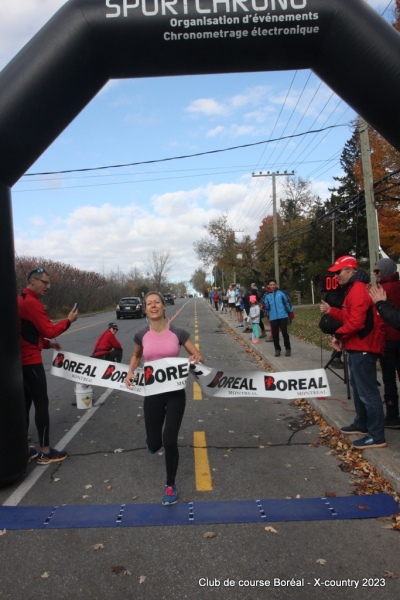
column 36, row 333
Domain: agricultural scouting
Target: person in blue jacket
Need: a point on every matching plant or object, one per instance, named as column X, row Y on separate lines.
column 278, row 306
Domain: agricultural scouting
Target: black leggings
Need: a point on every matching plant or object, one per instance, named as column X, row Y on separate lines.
column 112, row 356
column 165, row 408
column 35, row 388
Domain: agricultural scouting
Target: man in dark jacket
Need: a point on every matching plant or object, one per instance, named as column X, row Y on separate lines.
column 36, row 333
column 362, row 336
column 386, row 275
column 389, row 313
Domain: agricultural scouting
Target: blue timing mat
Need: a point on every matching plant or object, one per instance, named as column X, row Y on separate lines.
column 197, row 513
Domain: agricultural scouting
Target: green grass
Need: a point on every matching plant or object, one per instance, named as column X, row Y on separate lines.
column 305, row 327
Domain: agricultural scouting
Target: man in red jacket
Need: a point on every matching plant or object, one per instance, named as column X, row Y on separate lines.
column 362, row 336
column 36, row 331
column 386, row 275
column 107, row 347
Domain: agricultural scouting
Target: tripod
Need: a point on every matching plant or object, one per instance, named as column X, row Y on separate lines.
column 345, row 377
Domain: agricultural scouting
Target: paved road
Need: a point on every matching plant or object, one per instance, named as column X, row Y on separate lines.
column 256, row 448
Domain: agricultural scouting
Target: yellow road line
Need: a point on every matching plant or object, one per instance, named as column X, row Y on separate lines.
column 75, row 329
column 197, row 395
column 201, row 464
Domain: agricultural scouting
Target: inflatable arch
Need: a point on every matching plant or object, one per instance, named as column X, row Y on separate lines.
column 87, row 42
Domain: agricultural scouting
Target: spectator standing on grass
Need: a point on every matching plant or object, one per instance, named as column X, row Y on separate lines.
column 254, row 316
column 386, row 275
column 231, row 293
column 255, row 292
column 279, row 310
column 239, row 306
column 362, row 336
column 224, row 307
column 216, row 299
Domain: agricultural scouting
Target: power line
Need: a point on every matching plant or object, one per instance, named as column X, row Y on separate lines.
column 170, row 158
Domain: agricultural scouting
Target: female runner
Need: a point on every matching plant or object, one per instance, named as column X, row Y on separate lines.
column 162, row 340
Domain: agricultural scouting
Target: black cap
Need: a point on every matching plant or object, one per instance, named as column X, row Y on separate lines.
column 113, row 326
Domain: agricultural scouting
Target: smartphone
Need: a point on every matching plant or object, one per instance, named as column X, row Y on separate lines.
column 75, row 307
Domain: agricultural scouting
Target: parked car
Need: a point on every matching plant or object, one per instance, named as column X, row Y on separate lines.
column 130, row 307
column 169, row 298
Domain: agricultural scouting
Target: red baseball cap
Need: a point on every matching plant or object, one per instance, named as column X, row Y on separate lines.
column 344, row 262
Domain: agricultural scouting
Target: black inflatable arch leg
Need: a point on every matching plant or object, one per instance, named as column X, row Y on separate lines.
column 13, row 430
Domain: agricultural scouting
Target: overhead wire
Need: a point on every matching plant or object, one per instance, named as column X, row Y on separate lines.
column 262, row 154
column 265, row 183
column 349, row 205
column 179, row 157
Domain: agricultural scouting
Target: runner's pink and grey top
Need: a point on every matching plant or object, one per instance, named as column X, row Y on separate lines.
column 161, row 345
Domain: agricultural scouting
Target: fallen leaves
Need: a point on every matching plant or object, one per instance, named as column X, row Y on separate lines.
column 270, row 529
column 395, row 524
column 118, row 569
column 389, row 575
column 45, row 575
column 98, row 547
column 3, row 532
column 321, row 561
column 367, row 479
column 209, row 535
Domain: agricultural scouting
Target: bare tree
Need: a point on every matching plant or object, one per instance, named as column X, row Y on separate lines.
column 158, row 265
column 198, row 281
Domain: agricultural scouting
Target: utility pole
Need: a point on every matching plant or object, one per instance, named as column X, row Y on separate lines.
column 274, row 175
column 372, row 221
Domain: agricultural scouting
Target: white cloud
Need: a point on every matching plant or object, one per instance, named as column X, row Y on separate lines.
column 19, row 21
column 217, row 131
column 206, row 107
column 109, row 237
column 211, row 107
column 37, row 221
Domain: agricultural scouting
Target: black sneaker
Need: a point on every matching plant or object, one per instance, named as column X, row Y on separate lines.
column 53, row 455
column 277, row 353
column 392, row 423
column 369, row 442
column 350, row 429
column 288, row 352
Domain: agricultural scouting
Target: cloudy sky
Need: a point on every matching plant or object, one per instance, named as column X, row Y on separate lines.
column 111, row 219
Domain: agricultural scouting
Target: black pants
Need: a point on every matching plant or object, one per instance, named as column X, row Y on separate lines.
column 276, row 325
column 113, row 356
column 35, row 389
column 390, row 364
column 165, row 410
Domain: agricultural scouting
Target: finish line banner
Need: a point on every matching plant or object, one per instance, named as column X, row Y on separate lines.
column 169, row 374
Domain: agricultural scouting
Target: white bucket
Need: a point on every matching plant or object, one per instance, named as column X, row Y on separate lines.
column 84, row 396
